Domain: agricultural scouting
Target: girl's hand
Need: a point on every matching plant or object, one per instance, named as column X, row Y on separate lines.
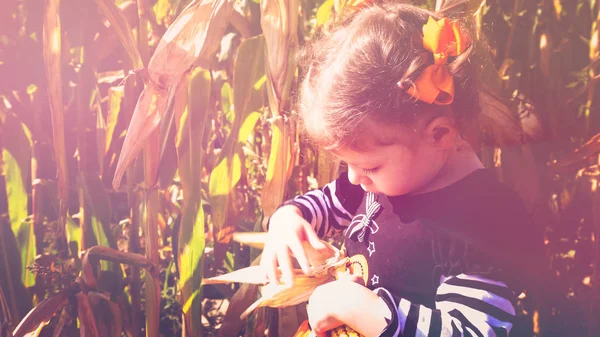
column 347, row 302
column 288, row 233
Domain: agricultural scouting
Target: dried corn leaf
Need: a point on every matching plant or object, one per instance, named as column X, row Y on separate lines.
column 86, row 316
column 251, row 239
column 323, row 269
column 5, row 317
column 279, row 22
column 587, row 150
column 44, row 311
column 120, row 24
column 241, row 299
column 251, row 275
column 105, row 253
column 107, row 314
column 38, row 331
column 450, row 6
column 192, row 38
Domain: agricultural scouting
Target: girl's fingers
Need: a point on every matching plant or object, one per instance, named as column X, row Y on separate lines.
column 314, row 240
column 353, row 278
column 320, row 334
column 269, row 263
column 300, row 255
column 285, row 263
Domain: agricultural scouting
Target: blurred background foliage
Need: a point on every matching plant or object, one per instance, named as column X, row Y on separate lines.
column 138, row 139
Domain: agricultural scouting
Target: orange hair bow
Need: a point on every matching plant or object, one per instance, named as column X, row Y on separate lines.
column 435, row 85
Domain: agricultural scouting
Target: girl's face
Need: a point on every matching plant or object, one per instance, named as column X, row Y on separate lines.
column 395, row 169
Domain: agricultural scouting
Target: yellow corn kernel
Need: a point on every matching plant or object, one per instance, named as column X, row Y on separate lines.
column 344, row 331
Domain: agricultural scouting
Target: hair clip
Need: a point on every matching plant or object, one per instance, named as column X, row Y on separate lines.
column 435, row 84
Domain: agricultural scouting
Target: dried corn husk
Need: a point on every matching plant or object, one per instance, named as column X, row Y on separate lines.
column 324, row 268
column 192, row 39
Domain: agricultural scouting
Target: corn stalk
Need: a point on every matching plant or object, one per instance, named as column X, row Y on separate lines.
column 53, row 66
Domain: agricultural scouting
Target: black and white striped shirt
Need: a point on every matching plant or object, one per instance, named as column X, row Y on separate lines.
column 447, row 263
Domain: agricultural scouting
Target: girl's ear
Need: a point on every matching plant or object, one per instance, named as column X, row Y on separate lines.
column 441, row 132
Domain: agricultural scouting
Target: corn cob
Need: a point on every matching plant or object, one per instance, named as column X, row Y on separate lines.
column 344, row 331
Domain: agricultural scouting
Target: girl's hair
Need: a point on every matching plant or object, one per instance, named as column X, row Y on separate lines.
column 352, row 76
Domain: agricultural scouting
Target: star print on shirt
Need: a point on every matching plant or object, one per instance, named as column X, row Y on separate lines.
column 371, row 248
column 374, row 280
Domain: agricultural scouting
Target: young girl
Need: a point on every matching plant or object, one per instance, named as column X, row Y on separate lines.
column 444, row 246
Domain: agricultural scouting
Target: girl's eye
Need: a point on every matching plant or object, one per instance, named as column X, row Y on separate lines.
column 370, row 171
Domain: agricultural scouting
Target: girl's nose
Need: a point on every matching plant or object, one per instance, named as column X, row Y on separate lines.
column 356, row 177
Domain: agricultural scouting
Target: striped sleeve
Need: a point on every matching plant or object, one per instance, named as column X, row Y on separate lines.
column 466, row 305
column 330, row 208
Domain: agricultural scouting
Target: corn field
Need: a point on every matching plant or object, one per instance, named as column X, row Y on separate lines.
column 140, row 140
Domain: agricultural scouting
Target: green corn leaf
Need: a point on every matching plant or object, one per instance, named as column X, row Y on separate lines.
column 17, row 297
column 324, row 12
column 17, row 162
column 248, row 84
column 195, row 90
column 98, row 203
column 115, row 99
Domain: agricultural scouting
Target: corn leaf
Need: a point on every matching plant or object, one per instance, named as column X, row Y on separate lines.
column 195, row 90
column 247, row 97
column 162, row 9
column 113, row 255
column 98, row 202
column 117, row 20
column 100, row 130
column 38, row 330
column 279, row 22
column 450, row 6
column 26, row 240
column 115, row 99
column 107, row 39
column 86, row 316
column 279, row 167
column 588, row 149
column 44, row 311
column 53, row 67
column 324, row 12
column 193, row 37
column 327, row 168
column 242, row 299
column 251, row 239
column 227, row 102
column 107, row 314
column 5, row 316
column 16, row 155
column 17, row 297
column 73, row 234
